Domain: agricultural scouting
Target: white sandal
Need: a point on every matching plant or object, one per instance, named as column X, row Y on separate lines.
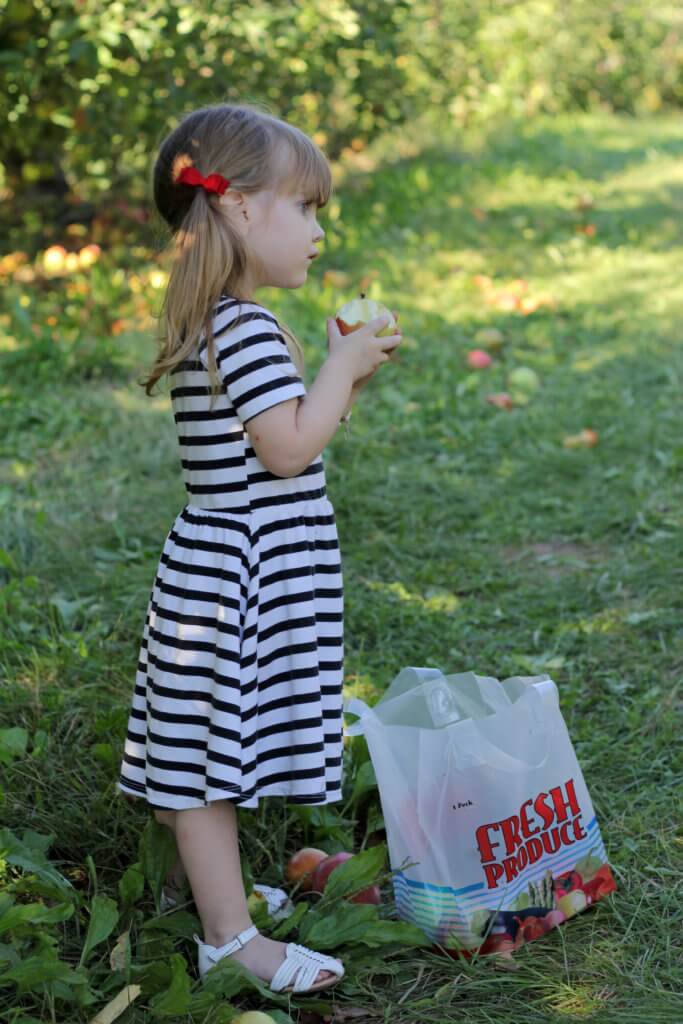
column 300, row 967
column 279, row 904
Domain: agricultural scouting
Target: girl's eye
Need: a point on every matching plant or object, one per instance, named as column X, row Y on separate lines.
column 306, row 203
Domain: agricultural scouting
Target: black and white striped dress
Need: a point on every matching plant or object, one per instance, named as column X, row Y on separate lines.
column 238, row 691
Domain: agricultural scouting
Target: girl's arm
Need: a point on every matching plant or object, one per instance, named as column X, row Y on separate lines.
column 289, row 436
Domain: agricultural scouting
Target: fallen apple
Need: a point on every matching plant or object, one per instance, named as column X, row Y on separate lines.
column 523, row 380
column 301, row 866
column 478, row 359
column 358, row 312
column 490, row 338
column 587, row 438
column 501, row 400
column 257, row 905
column 325, row 868
column 370, row 895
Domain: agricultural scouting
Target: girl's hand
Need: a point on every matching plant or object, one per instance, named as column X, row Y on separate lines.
column 364, row 380
column 362, row 350
column 359, row 384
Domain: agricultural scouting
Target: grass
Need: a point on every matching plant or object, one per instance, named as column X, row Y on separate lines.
column 472, row 539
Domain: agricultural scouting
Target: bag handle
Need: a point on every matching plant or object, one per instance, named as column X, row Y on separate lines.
column 487, row 753
column 356, row 706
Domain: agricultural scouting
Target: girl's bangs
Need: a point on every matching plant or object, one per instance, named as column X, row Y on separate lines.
column 306, row 170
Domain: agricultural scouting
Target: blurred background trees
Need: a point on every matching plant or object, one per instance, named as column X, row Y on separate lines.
column 89, row 89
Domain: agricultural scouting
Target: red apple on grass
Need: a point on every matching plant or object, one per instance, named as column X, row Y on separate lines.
column 501, row 400
column 325, row 868
column 478, row 359
column 301, row 866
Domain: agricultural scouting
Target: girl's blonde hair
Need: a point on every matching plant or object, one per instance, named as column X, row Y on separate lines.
column 254, row 150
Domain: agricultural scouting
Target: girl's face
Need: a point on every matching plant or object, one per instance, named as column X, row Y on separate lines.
column 282, row 235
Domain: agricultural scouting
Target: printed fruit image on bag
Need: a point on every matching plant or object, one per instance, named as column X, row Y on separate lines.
column 492, row 835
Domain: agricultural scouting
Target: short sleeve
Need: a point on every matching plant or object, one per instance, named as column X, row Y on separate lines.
column 253, row 359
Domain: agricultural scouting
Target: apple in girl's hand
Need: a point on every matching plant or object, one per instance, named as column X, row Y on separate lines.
column 300, row 867
column 359, row 312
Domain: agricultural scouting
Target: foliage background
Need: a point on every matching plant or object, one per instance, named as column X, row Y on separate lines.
column 88, row 89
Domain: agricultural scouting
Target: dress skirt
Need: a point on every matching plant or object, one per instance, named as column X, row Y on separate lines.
column 238, row 691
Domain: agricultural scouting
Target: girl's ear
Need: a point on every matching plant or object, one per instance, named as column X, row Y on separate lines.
column 232, row 198
column 236, row 206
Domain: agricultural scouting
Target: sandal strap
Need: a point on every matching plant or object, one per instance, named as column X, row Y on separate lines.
column 301, row 966
column 216, row 953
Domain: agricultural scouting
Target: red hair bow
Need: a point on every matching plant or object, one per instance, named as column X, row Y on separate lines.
column 213, row 183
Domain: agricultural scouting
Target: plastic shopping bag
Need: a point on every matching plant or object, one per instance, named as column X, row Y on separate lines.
column 491, row 832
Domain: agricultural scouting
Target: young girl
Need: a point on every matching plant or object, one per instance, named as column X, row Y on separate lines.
column 238, row 693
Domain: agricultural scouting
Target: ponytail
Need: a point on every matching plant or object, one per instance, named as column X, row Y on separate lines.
column 206, row 252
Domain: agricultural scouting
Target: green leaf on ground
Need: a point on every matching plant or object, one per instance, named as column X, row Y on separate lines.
column 29, row 853
column 328, row 927
column 157, row 853
column 361, row 871
column 13, row 743
column 104, row 916
column 132, row 885
column 175, row 1001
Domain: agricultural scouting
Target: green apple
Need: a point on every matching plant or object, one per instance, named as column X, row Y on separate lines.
column 490, row 338
column 359, row 312
column 258, row 909
column 523, row 382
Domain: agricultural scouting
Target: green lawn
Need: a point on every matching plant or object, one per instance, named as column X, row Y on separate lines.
column 472, row 539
